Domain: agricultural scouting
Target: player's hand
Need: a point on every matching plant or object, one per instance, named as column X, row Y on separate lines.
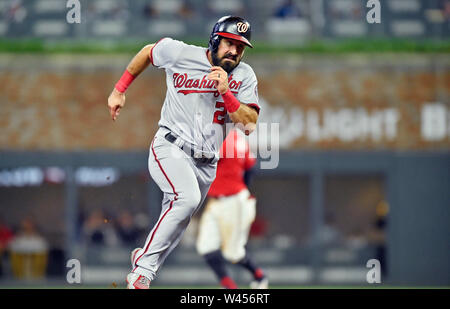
column 220, row 76
column 116, row 101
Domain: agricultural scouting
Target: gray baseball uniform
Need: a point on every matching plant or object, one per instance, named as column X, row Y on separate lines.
column 193, row 113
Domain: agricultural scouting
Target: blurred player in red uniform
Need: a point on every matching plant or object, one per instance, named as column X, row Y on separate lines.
column 225, row 223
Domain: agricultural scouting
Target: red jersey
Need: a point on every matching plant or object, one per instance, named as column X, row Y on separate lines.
column 6, row 235
column 235, row 159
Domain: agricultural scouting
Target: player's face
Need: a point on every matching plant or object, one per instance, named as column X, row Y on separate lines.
column 229, row 54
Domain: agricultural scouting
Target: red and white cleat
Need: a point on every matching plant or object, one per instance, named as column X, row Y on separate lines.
column 137, row 282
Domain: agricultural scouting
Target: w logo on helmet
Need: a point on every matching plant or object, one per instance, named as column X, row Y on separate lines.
column 242, row 27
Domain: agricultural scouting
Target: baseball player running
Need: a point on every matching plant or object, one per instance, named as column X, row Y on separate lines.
column 227, row 217
column 206, row 88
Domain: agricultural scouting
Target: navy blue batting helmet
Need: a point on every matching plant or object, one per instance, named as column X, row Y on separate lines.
column 232, row 27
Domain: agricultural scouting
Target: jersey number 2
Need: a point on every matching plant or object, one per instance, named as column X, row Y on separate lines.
column 219, row 115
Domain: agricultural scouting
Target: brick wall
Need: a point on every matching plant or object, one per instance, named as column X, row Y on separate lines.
column 322, row 102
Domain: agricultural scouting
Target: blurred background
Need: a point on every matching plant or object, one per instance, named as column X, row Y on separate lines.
column 363, row 112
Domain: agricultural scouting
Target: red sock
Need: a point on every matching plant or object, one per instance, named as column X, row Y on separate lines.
column 228, row 283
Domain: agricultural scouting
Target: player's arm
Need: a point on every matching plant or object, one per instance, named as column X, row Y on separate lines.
column 240, row 113
column 245, row 115
column 137, row 65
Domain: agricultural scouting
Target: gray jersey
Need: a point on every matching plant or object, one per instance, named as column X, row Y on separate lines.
column 193, row 109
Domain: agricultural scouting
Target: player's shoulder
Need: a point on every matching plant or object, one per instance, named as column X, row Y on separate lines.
column 245, row 70
column 170, row 42
column 245, row 67
column 189, row 50
column 176, row 41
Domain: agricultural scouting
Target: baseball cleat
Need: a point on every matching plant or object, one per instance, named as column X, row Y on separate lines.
column 137, row 282
column 133, row 255
column 261, row 284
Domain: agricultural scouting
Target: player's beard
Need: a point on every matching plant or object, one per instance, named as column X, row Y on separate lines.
column 226, row 65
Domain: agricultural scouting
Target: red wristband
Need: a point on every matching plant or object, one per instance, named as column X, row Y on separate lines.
column 231, row 103
column 125, row 81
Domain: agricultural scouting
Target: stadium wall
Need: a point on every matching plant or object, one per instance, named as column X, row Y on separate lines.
column 343, row 102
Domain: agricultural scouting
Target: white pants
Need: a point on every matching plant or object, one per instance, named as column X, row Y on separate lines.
column 225, row 225
column 185, row 184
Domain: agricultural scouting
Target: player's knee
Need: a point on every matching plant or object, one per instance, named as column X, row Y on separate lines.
column 233, row 256
column 202, row 248
column 190, row 199
column 205, row 244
